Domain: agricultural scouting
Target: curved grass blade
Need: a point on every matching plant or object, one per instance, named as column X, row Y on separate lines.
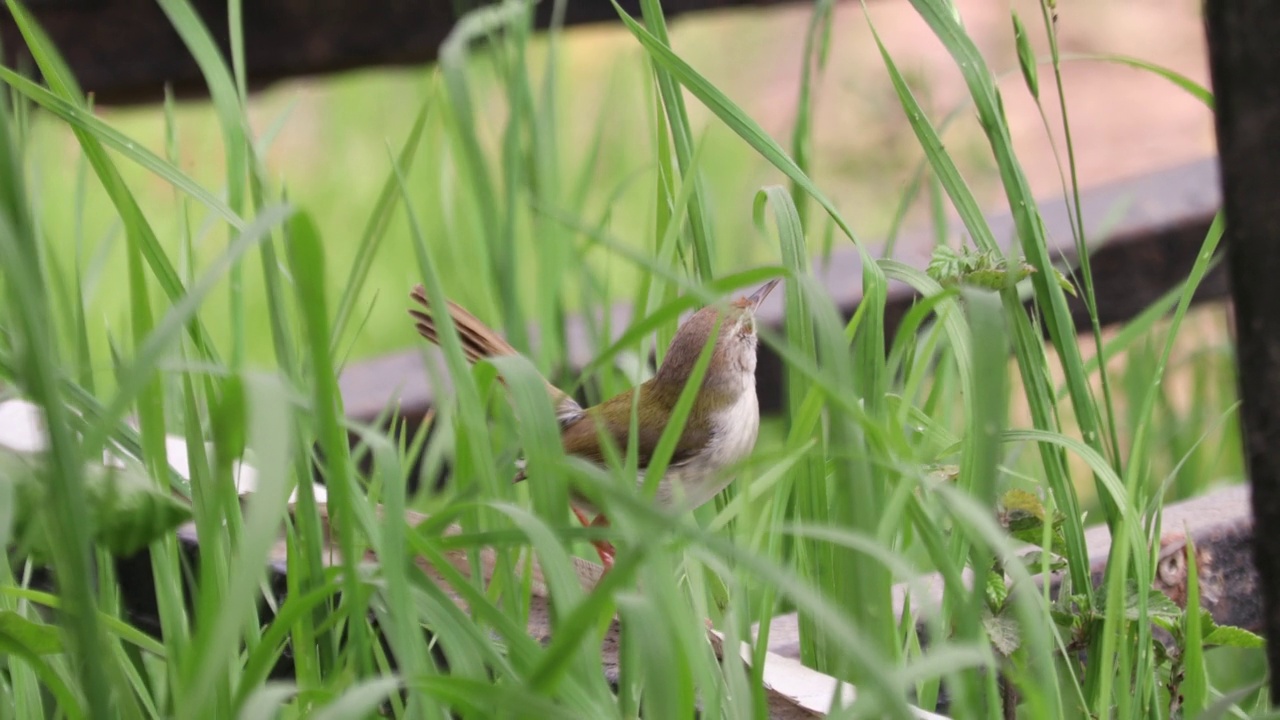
column 96, row 130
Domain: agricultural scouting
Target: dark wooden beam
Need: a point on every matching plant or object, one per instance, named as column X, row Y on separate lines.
column 124, row 51
column 1244, row 58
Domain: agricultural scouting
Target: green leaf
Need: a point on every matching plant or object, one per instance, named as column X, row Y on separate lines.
column 997, row 590
column 1229, row 636
column 682, row 142
column 37, row 638
column 1022, row 507
column 360, row 700
column 1159, row 606
column 1192, row 88
column 733, row 116
column 1023, row 515
column 1065, row 618
column 1003, row 631
column 1034, row 560
column 982, row 268
column 1223, row 706
column 127, row 511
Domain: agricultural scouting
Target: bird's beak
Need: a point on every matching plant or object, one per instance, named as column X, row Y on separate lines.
column 757, row 297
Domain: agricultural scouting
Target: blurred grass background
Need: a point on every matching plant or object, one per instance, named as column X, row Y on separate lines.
column 333, row 145
column 332, row 136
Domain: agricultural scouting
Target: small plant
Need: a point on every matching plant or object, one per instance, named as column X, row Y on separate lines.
column 988, row 269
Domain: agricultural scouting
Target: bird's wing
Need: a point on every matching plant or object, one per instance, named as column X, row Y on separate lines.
column 582, row 437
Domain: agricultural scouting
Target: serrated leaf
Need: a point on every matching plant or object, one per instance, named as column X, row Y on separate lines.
column 1020, row 507
column 127, row 511
column 982, row 268
column 1159, row 606
column 1229, row 636
column 997, row 590
column 37, row 638
column 1034, row 560
column 1065, row 618
column 1003, row 632
column 1170, row 626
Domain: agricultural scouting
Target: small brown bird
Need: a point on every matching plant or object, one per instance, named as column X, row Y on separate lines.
column 721, row 428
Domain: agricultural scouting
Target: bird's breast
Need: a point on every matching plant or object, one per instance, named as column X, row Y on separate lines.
column 733, row 435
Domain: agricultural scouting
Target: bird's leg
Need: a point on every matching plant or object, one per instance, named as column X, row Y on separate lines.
column 603, row 547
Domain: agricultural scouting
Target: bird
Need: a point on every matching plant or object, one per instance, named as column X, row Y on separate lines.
column 722, row 425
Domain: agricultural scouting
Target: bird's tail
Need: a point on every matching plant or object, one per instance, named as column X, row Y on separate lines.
column 479, row 341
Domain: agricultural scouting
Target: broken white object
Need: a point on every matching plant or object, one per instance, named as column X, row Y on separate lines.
column 21, row 426
column 22, row 429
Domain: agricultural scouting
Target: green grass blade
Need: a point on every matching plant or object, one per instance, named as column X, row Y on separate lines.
column 25, row 285
column 306, row 260
column 376, row 228
column 682, row 143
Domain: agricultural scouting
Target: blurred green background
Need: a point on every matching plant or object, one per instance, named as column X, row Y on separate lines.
column 333, row 137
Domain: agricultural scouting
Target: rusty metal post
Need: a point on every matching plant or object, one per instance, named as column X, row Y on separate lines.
column 1244, row 58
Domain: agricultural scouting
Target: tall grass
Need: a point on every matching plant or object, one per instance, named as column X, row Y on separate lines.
column 944, row 448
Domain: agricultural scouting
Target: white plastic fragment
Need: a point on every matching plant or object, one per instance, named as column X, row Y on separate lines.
column 22, row 429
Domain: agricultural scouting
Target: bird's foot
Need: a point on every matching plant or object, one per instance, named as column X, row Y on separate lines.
column 603, row 548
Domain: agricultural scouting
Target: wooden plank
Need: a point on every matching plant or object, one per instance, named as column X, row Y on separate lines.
column 1244, row 55
column 1146, row 234
column 124, row 51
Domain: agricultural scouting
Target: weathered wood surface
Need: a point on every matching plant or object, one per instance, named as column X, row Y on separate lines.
column 124, row 51
column 1145, row 233
column 1244, row 54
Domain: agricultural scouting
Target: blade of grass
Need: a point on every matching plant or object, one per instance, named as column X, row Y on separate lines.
column 813, row 63
column 1028, row 346
column 237, row 145
column 376, row 227
column 307, row 263
column 472, row 26
column 217, row 640
column 38, row 360
column 136, row 375
column 681, row 142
